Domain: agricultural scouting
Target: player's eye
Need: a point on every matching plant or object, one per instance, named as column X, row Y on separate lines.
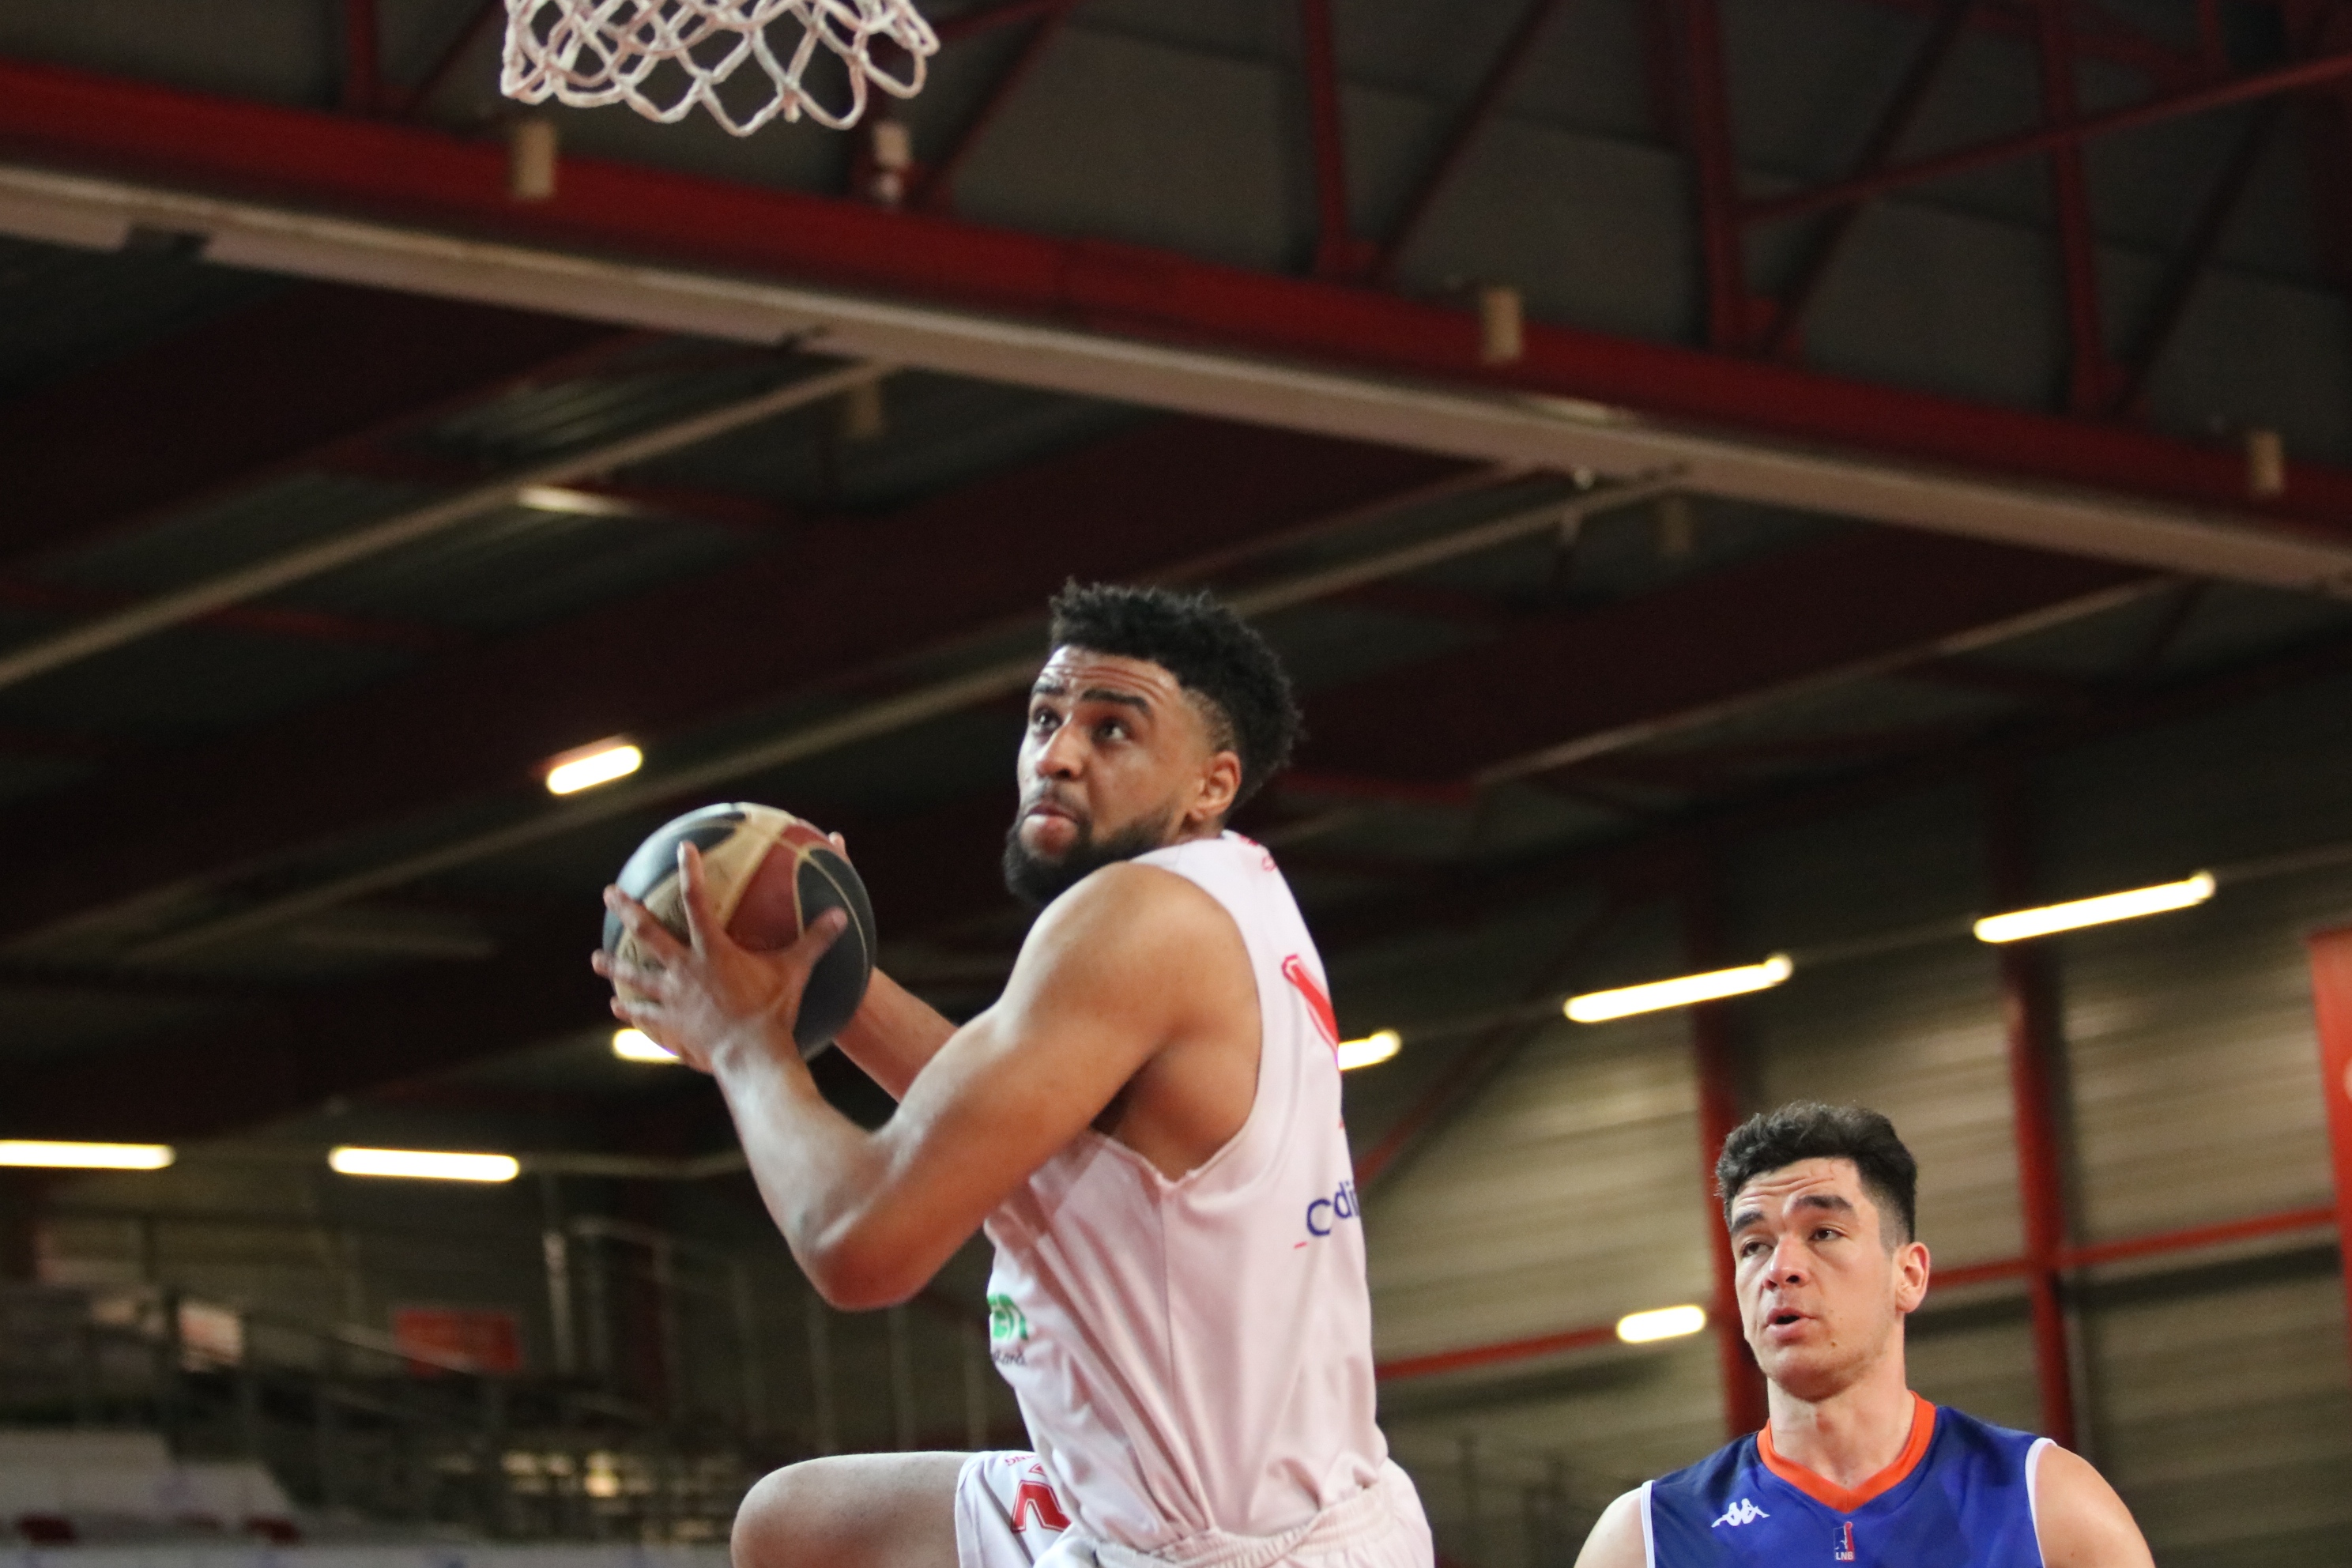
column 1041, row 719
column 1111, row 729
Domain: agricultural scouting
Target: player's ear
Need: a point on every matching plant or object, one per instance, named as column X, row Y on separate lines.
column 1912, row 1266
column 1221, row 782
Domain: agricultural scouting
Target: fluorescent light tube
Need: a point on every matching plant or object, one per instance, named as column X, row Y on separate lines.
column 426, row 1163
column 1661, row 1323
column 1598, row 1006
column 85, row 1156
column 586, row 769
column 636, row 1046
column 1370, row 1051
column 2021, row 924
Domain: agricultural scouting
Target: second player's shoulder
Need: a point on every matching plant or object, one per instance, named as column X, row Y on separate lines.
column 1618, row 1539
column 2080, row 1520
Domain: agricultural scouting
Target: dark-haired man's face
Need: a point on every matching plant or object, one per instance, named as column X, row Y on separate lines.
column 1822, row 1288
column 1117, row 761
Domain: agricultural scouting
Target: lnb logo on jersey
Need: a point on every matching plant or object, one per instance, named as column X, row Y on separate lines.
column 1744, row 1512
column 1325, row 1213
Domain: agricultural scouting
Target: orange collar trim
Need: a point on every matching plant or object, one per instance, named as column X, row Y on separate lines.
column 1847, row 1500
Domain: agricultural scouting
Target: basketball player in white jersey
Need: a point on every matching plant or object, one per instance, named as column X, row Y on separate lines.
column 1147, row 1125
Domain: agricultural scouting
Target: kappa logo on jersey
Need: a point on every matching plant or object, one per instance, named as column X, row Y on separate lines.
column 1327, row 1022
column 1325, row 1213
column 1744, row 1512
column 1035, row 1497
column 1841, row 1549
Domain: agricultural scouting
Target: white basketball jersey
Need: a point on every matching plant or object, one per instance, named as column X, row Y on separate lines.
column 1196, row 1355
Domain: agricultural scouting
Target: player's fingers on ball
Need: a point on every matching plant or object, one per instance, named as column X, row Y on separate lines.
column 694, row 896
column 642, row 928
column 656, row 984
column 822, row 933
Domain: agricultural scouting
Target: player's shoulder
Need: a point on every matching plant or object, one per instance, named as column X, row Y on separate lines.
column 1618, row 1539
column 2078, row 1518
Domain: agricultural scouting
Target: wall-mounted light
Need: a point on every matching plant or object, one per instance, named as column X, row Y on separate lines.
column 1599, row 1007
column 2020, row 924
column 1370, row 1050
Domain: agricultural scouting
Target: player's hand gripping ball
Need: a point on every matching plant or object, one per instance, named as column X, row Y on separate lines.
column 769, row 874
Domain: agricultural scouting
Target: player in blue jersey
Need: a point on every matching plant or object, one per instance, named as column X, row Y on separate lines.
column 1853, row 1466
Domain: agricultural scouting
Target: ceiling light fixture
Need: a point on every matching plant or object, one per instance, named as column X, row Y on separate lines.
column 1599, row 1007
column 1370, row 1051
column 1660, row 1323
column 592, row 766
column 576, row 503
column 85, row 1156
column 428, row 1165
column 2020, row 924
column 636, row 1046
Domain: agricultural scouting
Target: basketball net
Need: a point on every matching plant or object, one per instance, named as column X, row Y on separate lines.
column 661, row 58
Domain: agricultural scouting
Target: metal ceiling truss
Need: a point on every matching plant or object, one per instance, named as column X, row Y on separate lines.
column 1126, row 322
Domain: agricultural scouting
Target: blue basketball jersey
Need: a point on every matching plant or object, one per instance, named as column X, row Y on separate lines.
column 1964, row 1499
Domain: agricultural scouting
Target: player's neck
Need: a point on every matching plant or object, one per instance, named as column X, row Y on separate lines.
column 1850, row 1435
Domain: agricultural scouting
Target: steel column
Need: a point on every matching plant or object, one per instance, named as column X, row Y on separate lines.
column 1722, row 1106
column 2331, row 995
column 2030, row 1022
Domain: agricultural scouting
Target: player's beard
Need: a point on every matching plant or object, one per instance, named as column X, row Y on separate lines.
column 1037, row 882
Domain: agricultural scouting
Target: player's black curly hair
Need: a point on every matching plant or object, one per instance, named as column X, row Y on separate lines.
column 1808, row 1130
column 1212, row 652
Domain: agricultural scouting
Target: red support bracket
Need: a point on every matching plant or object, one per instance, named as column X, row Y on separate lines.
column 2331, row 995
column 1706, row 110
column 2296, row 78
column 362, row 76
column 1783, row 336
column 1465, row 129
column 938, row 188
column 1337, row 253
column 2087, row 372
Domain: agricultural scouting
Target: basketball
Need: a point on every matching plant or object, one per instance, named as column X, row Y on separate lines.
column 769, row 874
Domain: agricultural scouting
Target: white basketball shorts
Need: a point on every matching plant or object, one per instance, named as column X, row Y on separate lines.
column 1008, row 1515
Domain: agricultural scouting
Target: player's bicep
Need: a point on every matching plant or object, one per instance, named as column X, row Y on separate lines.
column 1616, row 1539
column 2080, row 1520
column 1097, row 991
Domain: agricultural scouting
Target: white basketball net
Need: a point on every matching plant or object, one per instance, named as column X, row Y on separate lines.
column 661, row 58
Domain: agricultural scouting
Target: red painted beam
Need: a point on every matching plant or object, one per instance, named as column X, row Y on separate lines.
column 2298, row 78
column 1721, row 634
column 1530, row 1349
column 1516, row 52
column 482, row 722
column 938, row 191
column 417, row 175
column 1337, row 253
column 2087, row 373
column 2331, row 998
column 1697, row 36
column 1895, row 124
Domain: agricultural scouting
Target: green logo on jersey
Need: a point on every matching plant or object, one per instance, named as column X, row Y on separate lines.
column 1005, row 1320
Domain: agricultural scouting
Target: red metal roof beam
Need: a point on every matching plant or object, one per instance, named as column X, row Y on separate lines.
column 2298, row 78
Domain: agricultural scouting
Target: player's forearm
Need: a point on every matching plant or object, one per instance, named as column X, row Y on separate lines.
column 894, row 1034
column 824, row 1179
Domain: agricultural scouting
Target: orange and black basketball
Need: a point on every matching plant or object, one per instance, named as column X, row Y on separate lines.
column 769, row 874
